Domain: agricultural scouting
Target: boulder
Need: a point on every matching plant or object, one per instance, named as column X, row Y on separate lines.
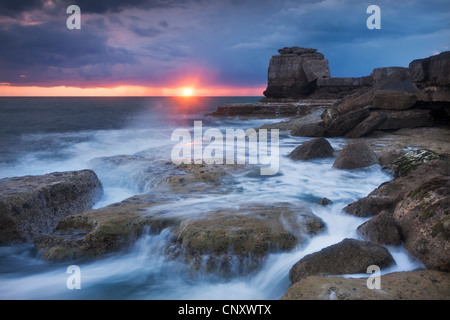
column 315, row 148
column 325, row 202
column 346, row 257
column 387, row 157
column 32, row 206
column 233, row 240
column 381, row 229
column 354, row 156
column 411, row 285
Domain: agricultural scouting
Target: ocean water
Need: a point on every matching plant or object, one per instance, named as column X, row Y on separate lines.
column 43, row 135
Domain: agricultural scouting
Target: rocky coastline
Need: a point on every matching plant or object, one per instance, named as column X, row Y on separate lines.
column 396, row 117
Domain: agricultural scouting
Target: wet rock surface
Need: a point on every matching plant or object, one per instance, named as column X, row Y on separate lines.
column 354, row 156
column 313, row 149
column 32, row 206
column 346, row 257
column 418, row 203
column 412, row 285
column 240, row 238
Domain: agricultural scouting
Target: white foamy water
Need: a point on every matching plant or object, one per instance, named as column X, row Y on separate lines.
column 143, row 271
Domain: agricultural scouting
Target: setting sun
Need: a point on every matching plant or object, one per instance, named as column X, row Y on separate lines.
column 187, row 92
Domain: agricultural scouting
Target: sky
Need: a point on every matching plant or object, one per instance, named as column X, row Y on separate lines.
column 213, row 47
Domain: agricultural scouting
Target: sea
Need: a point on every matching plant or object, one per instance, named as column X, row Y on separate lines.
column 43, row 135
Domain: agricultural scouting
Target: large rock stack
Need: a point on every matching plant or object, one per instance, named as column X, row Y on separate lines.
column 294, row 72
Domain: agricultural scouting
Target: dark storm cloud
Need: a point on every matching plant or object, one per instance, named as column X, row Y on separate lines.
column 14, row 8
column 158, row 42
column 35, row 50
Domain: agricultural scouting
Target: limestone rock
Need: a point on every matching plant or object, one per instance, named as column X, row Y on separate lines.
column 433, row 70
column 419, row 202
column 381, row 229
column 32, row 206
column 262, row 110
column 368, row 125
column 388, row 195
column 411, row 118
column 315, row 148
column 411, row 285
column 395, row 96
column 411, row 160
column 346, row 257
column 387, row 157
column 244, row 236
column 424, row 220
column 390, row 74
column 309, row 130
column 355, row 155
column 294, row 71
column 95, row 233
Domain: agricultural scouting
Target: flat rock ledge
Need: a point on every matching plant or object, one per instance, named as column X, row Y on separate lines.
column 271, row 109
column 412, row 285
column 32, row 206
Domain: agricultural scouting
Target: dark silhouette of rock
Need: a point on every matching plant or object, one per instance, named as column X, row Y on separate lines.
column 315, row 148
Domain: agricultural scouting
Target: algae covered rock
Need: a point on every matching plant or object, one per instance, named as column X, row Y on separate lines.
column 411, row 161
column 241, row 238
column 95, row 233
